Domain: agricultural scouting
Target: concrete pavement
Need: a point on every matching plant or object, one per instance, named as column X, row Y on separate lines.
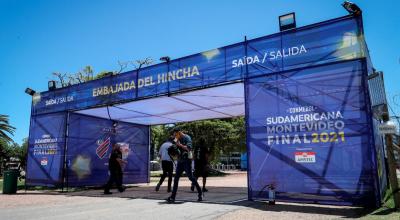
column 226, row 200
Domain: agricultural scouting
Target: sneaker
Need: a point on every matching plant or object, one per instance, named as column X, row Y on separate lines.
column 122, row 189
column 107, row 192
column 204, row 189
column 170, row 200
column 158, row 187
column 200, row 198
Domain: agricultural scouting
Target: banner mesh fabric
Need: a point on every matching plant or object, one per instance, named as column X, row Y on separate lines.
column 310, row 136
column 46, row 150
column 89, row 146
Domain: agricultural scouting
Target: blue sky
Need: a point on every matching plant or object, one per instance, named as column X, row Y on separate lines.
column 40, row 37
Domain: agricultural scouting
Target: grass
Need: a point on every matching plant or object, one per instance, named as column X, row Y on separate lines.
column 387, row 211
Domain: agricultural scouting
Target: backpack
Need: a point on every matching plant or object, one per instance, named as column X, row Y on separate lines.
column 174, row 152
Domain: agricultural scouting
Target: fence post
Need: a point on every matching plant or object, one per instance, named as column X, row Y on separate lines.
column 394, row 185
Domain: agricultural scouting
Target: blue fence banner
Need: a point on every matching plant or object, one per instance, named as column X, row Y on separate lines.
column 334, row 40
column 310, row 135
column 46, row 150
column 89, row 146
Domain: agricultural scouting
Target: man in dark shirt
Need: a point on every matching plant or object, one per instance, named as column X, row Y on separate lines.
column 115, row 167
column 184, row 142
column 201, row 155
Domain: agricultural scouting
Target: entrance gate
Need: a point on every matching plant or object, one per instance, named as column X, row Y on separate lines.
column 304, row 94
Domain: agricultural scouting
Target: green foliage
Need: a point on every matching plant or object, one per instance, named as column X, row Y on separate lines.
column 159, row 134
column 386, row 211
column 103, row 74
column 21, row 152
column 87, row 73
column 5, row 129
column 10, row 150
column 84, row 75
column 220, row 135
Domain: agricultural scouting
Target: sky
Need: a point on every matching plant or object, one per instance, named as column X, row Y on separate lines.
column 40, row 37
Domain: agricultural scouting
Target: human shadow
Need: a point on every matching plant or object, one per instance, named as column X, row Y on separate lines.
column 236, row 196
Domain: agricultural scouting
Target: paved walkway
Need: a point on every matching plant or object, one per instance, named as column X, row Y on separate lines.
column 226, row 199
column 227, row 189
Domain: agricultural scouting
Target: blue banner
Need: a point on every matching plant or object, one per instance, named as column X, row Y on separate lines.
column 89, row 146
column 334, row 40
column 46, row 150
column 310, row 136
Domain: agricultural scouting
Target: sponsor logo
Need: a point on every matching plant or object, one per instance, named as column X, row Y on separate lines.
column 305, row 157
column 43, row 161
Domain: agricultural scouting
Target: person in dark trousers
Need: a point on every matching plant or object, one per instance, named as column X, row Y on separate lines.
column 115, row 164
column 184, row 143
column 166, row 164
column 201, row 155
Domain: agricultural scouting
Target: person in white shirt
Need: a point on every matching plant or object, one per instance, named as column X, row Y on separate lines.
column 166, row 164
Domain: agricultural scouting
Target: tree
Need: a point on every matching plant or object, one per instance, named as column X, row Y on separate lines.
column 6, row 129
column 87, row 73
column 21, row 153
column 138, row 64
column 83, row 76
column 220, row 135
column 103, row 74
column 11, row 150
column 159, row 134
column 61, row 79
column 67, row 79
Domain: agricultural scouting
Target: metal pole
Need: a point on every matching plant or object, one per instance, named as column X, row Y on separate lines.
column 27, row 147
column 137, row 83
column 66, row 165
column 246, row 117
column 245, row 53
column 394, row 185
column 167, row 78
column 148, row 158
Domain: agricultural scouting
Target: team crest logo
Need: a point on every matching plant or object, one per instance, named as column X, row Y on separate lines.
column 103, row 146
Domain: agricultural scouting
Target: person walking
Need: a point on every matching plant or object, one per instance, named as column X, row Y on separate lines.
column 166, row 164
column 201, row 155
column 184, row 143
column 115, row 164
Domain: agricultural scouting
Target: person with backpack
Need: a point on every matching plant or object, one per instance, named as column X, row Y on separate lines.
column 184, row 144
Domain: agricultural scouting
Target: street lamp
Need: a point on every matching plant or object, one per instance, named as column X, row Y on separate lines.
column 165, row 59
column 30, row 91
column 51, row 85
column 287, row 21
column 351, row 8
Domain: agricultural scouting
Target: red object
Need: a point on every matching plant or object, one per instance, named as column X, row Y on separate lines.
column 102, row 149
